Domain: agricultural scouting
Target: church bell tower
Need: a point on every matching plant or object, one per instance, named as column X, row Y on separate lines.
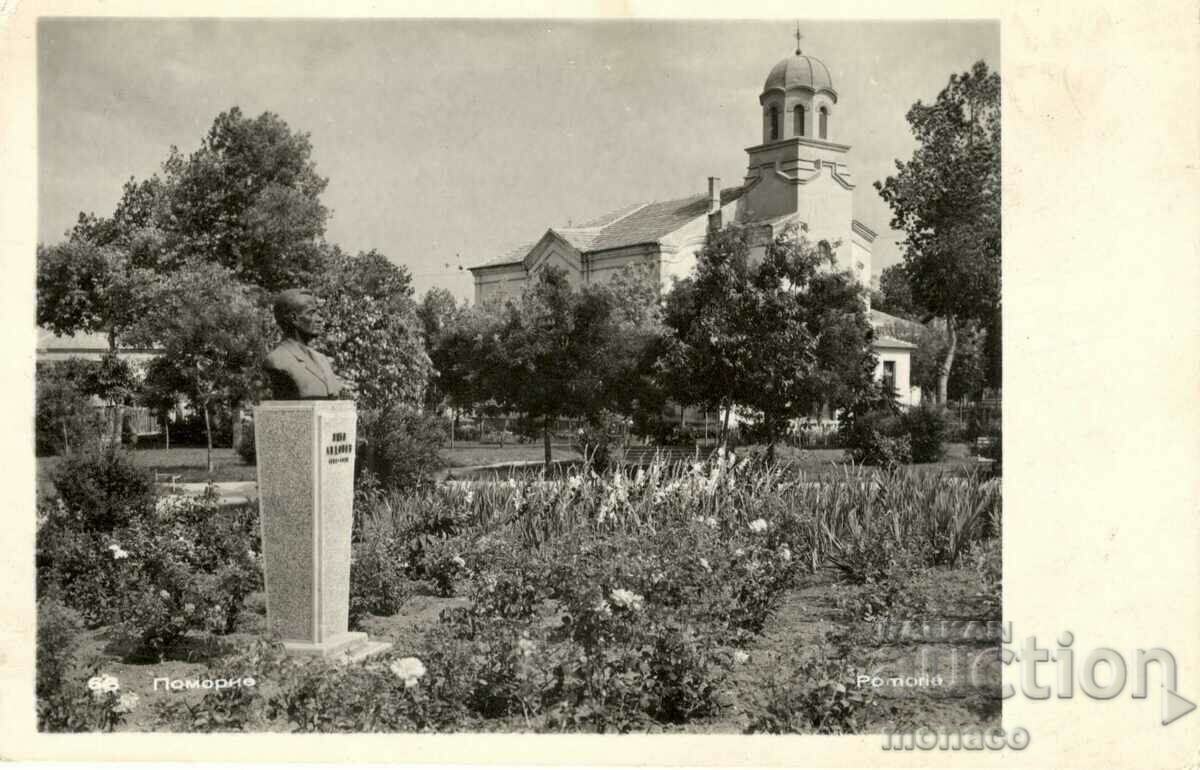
column 798, row 173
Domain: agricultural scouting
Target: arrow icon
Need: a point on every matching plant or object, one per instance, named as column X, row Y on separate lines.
column 1175, row 706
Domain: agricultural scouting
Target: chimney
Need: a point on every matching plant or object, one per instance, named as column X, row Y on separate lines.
column 714, row 203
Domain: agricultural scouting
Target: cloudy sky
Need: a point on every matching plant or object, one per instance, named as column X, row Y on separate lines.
column 447, row 142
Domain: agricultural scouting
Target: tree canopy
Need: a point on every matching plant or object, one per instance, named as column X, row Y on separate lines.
column 372, row 332
column 212, row 331
column 946, row 200
column 777, row 336
column 85, row 287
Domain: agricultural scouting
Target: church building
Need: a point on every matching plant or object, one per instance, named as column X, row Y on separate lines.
column 798, row 174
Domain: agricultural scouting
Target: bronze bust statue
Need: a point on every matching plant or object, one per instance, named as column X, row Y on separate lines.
column 294, row 370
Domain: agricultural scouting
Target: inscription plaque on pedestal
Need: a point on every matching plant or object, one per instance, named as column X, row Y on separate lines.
column 306, row 494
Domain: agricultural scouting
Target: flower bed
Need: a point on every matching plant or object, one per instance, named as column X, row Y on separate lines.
column 593, row 603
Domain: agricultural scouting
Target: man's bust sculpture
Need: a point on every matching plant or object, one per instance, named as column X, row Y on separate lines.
column 294, row 370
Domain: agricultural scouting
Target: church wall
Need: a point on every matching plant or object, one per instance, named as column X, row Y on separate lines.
column 500, row 282
column 552, row 252
column 681, row 247
column 602, row 266
column 860, row 260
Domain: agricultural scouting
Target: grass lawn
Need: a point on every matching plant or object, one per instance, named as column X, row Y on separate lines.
column 827, row 462
column 189, row 463
column 466, row 454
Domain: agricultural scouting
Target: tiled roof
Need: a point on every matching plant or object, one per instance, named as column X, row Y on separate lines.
column 892, row 342
column 657, row 220
column 510, row 257
column 629, row 226
column 879, row 318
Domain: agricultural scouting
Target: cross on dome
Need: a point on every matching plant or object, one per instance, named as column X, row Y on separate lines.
column 798, row 36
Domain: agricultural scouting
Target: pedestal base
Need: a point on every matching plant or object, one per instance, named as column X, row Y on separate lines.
column 349, row 646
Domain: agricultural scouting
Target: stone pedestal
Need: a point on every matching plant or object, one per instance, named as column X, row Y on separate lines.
column 305, row 496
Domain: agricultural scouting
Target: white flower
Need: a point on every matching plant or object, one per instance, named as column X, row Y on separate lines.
column 574, row 482
column 711, row 521
column 627, row 599
column 785, row 553
column 602, row 608
column 118, row 552
column 739, row 552
column 251, row 553
column 470, row 497
column 741, row 656
column 408, row 669
column 163, row 593
column 103, row 683
column 511, row 483
column 704, row 564
column 126, row 702
column 758, row 525
column 189, row 608
column 527, row 647
column 459, row 561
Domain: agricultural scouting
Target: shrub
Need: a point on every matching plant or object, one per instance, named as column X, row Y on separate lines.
column 103, row 489
column 74, row 565
column 246, row 448
column 58, row 627
column 400, row 446
column 820, row 697
column 187, row 565
column 378, row 583
column 926, row 429
column 597, row 440
column 190, row 430
column 65, row 418
column 67, row 699
column 877, row 448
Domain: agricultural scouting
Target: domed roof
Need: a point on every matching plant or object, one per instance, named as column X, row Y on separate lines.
column 800, row 71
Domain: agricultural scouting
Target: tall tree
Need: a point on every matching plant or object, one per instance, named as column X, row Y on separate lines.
column 777, row 337
column 895, row 294
column 946, row 199
column 248, row 199
column 372, row 332
column 65, row 416
column 438, row 312
column 212, row 330
column 85, row 287
column 468, row 362
column 555, row 353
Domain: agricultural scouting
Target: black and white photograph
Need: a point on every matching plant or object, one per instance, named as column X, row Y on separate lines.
column 552, row 377
column 589, row 376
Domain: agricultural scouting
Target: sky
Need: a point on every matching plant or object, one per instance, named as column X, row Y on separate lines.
column 447, row 142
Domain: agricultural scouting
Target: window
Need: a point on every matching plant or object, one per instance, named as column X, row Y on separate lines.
column 798, row 120
column 824, row 125
column 889, row 376
column 774, row 120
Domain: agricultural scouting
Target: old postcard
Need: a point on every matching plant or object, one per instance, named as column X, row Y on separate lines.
column 612, row 387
